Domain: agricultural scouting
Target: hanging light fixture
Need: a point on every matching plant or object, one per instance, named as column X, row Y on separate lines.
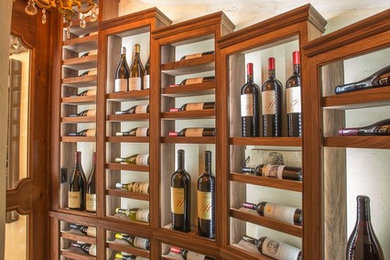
column 66, row 7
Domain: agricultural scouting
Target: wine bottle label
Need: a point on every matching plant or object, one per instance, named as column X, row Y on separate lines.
column 74, row 199
column 135, row 83
column 279, row 250
column 193, row 56
column 194, row 132
column 273, row 171
column 146, row 81
column 177, row 200
column 91, row 132
column 281, row 213
column 204, row 205
column 90, row 202
column 194, row 81
column 121, row 85
column 142, row 159
column 268, row 102
column 91, row 231
column 384, row 129
column 91, row 112
column 142, row 131
column 141, row 109
column 247, row 105
column 293, row 100
column 194, row 106
column 91, row 92
column 141, row 242
column 92, row 250
column 142, row 215
column 194, row 256
column 138, row 187
column 384, row 79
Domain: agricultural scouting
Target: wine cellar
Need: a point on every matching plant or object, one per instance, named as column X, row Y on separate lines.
column 185, row 113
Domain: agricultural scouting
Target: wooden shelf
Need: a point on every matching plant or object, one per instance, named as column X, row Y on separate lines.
column 78, row 119
column 358, row 99
column 266, row 222
column 76, row 237
column 77, row 212
column 131, row 95
column 188, row 140
column 126, row 167
column 374, row 142
column 128, row 117
column 81, row 63
column 79, row 100
column 127, row 221
column 202, row 64
column 80, row 82
column 127, row 194
column 82, row 44
column 128, row 249
column 127, row 139
column 77, row 30
column 68, row 253
column 267, row 141
column 207, row 88
column 268, row 182
column 235, row 252
column 78, row 139
column 207, row 114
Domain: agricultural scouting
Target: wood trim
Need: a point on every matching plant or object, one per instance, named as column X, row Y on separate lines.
column 128, row 249
column 22, row 204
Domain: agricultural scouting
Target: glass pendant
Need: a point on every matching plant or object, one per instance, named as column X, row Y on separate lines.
column 44, row 18
column 83, row 23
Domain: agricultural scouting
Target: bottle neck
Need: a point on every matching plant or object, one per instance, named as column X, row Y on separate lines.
column 363, row 209
column 271, row 73
column 250, row 240
column 249, row 205
column 249, row 77
column 297, row 69
column 77, row 159
column 180, row 160
column 208, row 162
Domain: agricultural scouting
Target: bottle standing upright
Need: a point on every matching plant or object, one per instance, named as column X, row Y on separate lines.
column 76, row 194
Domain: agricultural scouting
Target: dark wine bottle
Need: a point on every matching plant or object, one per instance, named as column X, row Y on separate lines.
column 88, row 112
column 197, row 132
column 85, row 132
column 89, row 231
column 86, row 248
column 379, row 128
column 275, row 249
column 181, row 196
column 135, row 186
column 363, row 243
column 197, row 106
column 293, row 99
column 380, row 78
column 64, row 188
column 138, row 242
column 250, row 106
column 285, row 214
column 138, row 109
column 206, row 200
column 200, row 80
column 76, row 194
column 271, row 100
column 146, row 83
column 196, row 55
column 281, row 172
column 90, row 197
column 189, row 255
column 136, row 70
column 122, row 74
column 138, row 131
column 135, row 159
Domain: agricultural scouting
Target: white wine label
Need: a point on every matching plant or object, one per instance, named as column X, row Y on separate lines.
column 91, row 231
column 279, row 250
column 142, row 159
column 91, row 112
column 194, row 81
column 194, row 256
column 177, row 200
column 142, row 215
column 91, row 92
column 92, row 250
column 273, row 171
column 74, row 199
column 142, row 131
column 91, row 132
column 121, row 85
column 293, row 100
column 281, row 213
column 90, row 202
column 141, row 109
column 247, row 105
column 194, row 132
column 193, row 56
column 204, row 205
column 141, row 242
column 268, row 102
column 194, row 106
column 135, row 83
column 147, row 82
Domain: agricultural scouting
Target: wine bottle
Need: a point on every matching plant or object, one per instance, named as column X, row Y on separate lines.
column 90, row 197
column 146, row 83
column 76, row 194
column 206, row 200
column 188, row 255
column 250, row 106
column 88, row 112
column 181, row 196
column 85, row 93
column 64, row 188
column 281, row 172
column 271, row 100
column 85, row 132
column 138, row 109
column 135, row 214
column 86, row 248
column 122, row 74
column 380, row 78
column 197, row 106
column 135, row 159
column 363, row 243
column 89, row 231
column 379, row 128
column 137, row 187
column 138, row 131
column 197, row 132
column 138, row 242
column 278, row 212
column 196, row 55
column 200, row 80
column 136, row 71
column 275, row 249
column 293, row 99
column 129, row 257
